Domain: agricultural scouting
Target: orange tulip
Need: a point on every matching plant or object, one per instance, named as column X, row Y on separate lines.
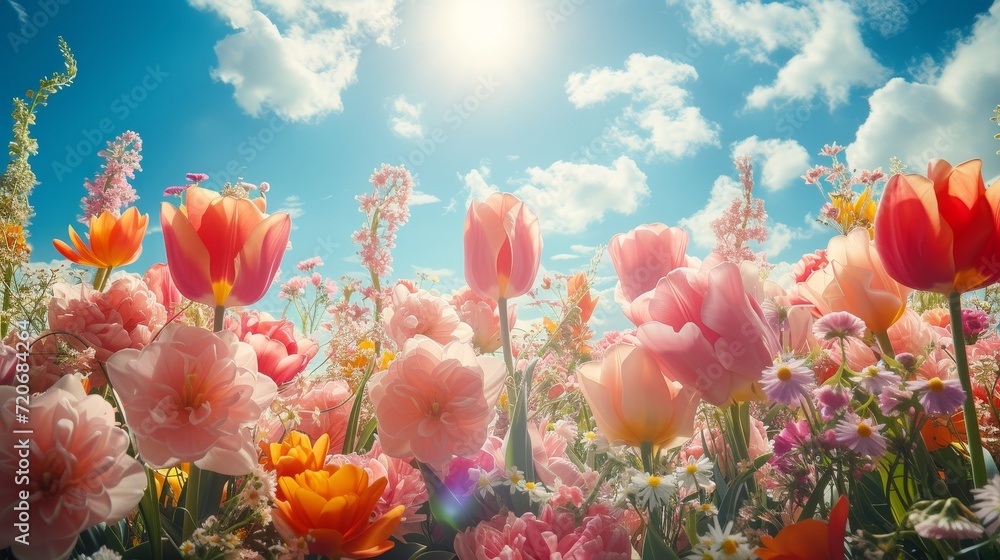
column 333, row 507
column 810, row 539
column 633, row 401
column 939, row 233
column 856, row 281
column 586, row 302
column 222, row 250
column 112, row 241
column 296, row 454
column 503, row 247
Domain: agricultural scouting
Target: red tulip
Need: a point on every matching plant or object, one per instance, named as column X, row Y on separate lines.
column 503, row 246
column 939, row 233
column 222, row 250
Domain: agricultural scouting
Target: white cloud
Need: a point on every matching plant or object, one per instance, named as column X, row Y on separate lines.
column 582, row 249
column 292, row 205
column 780, row 163
column 405, row 121
column 419, row 197
column 300, row 69
column 829, row 56
column 659, row 121
column 434, row 272
column 946, row 116
column 568, row 197
column 724, row 191
column 564, row 257
column 830, row 63
column 153, row 230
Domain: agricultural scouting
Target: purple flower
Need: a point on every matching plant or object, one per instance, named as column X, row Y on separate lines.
column 196, row 177
column 787, row 382
column 832, row 397
column 874, row 379
column 793, row 436
column 860, row 435
column 941, row 397
column 175, row 191
column 890, row 399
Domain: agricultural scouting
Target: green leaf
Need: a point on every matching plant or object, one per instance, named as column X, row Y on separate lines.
column 654, row 546
column 809, row 510
column 436, row 555
column 519, row 452
column 449, row 510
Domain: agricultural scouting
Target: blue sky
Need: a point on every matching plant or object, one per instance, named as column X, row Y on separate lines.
column 603, row 115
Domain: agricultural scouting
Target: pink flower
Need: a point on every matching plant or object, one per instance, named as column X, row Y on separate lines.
column 810, row 263
column 196, row 177
column 482, row 314
column 787, row 383
column 8, row 364
column 939, row 396
column 435, row 402
column 193, row 396
column 974, row 322
column 644, row 255
column 157, row 279
column 126, row 315
column 553, row 535
column 80, row 474
column 831, row 150
column 503, row 246
column 321, row 408
column 709, row 333
column 911, row 334
column 109, row 190
column 839, row 324
column 309, row 264
column 281, row 354
column 423, row 313
column 861, row 435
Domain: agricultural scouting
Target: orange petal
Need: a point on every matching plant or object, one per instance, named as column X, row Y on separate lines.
column 196, row 201
column 187, row 258
column 259, row 258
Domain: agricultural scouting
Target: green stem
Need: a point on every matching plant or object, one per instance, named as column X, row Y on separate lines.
column 220, row 318
column 508, row 356
column 100, row 277
column 8, row 279
column 885, row 344
column 192, row 491
column 150, row 510
column 969, row 408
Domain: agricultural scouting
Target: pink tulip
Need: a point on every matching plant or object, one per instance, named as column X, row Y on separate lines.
column 503, row 247
column 221, row 250
column 422, row 313
column 709, row 333
column 646, row 254
column 193, row 396
column 80, row 472
column 482, row 314
column 633, row 401
column 435, row 402
column 157, row 278
column 281, row 354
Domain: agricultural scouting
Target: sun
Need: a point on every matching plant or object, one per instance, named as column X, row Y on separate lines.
column 484, row 35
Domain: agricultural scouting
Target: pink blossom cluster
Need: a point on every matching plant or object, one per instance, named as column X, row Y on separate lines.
column 743, row 222
column 109, row 190
column 386, row 209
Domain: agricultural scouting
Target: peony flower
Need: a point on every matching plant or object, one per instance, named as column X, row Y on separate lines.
column 644, row 255
column 80, row 474
column 503, row 247
column 281, row 353
column 939, row 233
column 125, row 315
column 632, row 401
column 193, row 396
column 296, row 454
column 857, row 282
column 810, row 263
column 552, row 535
column 423, row 313
column 709, row 333
column 332, row 508
column 435, row 402
column 222, row 250
column 482, row 314
column 112, row 242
